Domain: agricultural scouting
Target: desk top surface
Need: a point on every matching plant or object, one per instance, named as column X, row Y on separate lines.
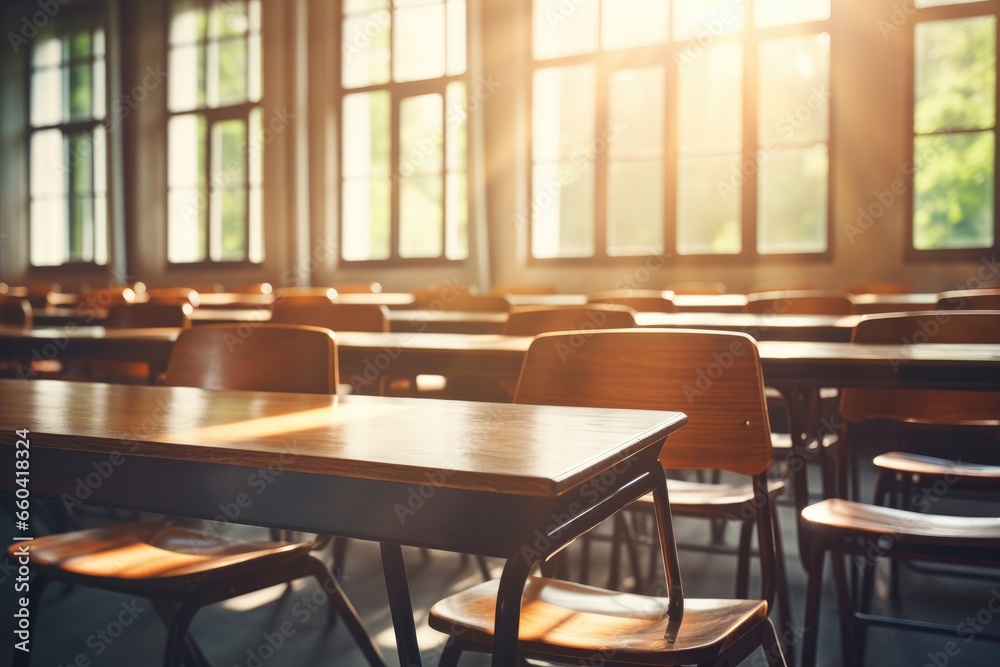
column 502, row 448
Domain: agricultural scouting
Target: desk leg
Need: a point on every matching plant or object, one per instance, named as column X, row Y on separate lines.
column 508, row 614
column 399, row 605
column 797, row 399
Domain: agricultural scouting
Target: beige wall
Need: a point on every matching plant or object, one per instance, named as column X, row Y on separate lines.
column 869, row 149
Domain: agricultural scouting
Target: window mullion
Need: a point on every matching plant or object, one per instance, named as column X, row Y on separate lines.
column 600, row 161
column 395, row 179
column 751, row 126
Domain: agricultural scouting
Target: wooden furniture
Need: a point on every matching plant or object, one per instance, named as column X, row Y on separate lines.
column 878, row 288
column 802, row 302
column 697, row 288
column 971, row 299
column 569, row 622
column 15, row 312
column 358, row 288
column 182, row 570
column 333, row 316
column 469, row 303
column 36, row 293
column 643, row 301
column 780, row 286
column 173, row 295
column 304, row 294
column 141, row 315
column 499, row 473
column 846, row 528
column 507, row 289
column 250, row 288
column 533, row 320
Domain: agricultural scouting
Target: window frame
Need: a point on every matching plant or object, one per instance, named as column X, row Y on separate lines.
column 669, row 53
column 924, row 15
column 73, row 128
column 399, row 91
column 212, row 115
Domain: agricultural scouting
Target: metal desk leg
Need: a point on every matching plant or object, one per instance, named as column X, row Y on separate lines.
column 399, row 605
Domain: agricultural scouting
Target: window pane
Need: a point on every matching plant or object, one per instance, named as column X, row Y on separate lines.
column 187, row 21
column 80, row 151
column 708, row 212
column 457, row 217
column 185, row 78
column 186, row 151
column 253, row 72
column 705, row 19
column 784, row 12
column 562, row 210
column 456, row 37
column 227, row 79
column 351, row 6
column 795, row 90
column 365, row 52
column 98, row 68
column 47, row 97
column 256, row 147
column 627, row 23
column 791, row 201
column 48, row 164
column 228, row 19
column 457, row 126
column 80, row 92
column 46, row 50
column 635, row 113
column 101, row 230
column 228, row 220
column 79, row 41
column 229, row 161
column 186, row 226
column 420, row 135
column 561, row 28
column 366, row 134
column 418, row 43
column 953, row 191
column 49, row 241
column 81, row 229
column 635, row 208
column 710, row 101
column 365, row 219
column 421, row 217
column 256, row 251
column 564, row 109
column 100, row 160
column 955, row 72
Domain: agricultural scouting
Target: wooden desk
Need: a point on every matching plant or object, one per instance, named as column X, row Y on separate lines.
column 828, row 328
column 511, row 481
column 409, row 321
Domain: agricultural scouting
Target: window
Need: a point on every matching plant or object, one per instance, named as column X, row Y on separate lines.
column 68, row 151
column 404, row 130
column 954, row 127
column 690, row 127
column 214, row 132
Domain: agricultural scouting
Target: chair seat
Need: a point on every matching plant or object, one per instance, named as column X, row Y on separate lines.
column 693, row 494
column 930, row 465
column 149, row 551
column 567, row 620
column 901, row 525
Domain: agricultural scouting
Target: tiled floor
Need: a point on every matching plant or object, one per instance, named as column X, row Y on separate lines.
column 90, row 628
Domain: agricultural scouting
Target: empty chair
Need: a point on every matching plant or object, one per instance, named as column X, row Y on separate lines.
column 250, row 288
column 808, row 302
column 37, row 293
column 523, row 288
column 105, row 297
column 878, row 288
column 15, row 312
column 436, row 296
column 471, row 303
column 333, row 316
column 172, row 295
column 697, row 288
column 971, row 299
column 147, row 315
column 183, row 569
column 780, row 286
column 204, row 288
column 304, row 294
column 727, row 428
column 643, row 301
column 533, row 320
column 845, row 528
column 358, row 288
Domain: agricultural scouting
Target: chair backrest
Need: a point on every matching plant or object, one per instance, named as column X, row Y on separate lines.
column 358, row 288
column 437, row 296
column 37, row 293
column 533, row 320
column 523, row 288
column 15, row 312
column 928, row 326
column 333, row 316
column 203, row 288
column 268, row 357
column 250, row 288
column 697, row 287
column 781, row 286
column 106, row 297
column 643, row 301
column 878, row 288
column 796, row 302
column 713, row 377
column 305, row 293
column 147, row 315
column 924, row 405
column 472, row 303
column 969, row 299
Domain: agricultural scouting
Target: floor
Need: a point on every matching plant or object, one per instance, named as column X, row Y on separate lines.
column 287, row 627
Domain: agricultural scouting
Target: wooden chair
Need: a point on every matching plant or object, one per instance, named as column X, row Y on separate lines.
column 149, row 315
column 181, row 569
column 437, row 296
column 304, row 294
column 358, row 288
column 902, row 472
column 204, row 288
column 37, row 293
column 727, row 427
column 970, row 299
column 808, row 302
column 471, row 303
column 878, row 288
column 15, row 312
column 533, row 320
column 643, row 301
column 697, row 288
column 172, row 295
column 846, row 528
column 105, row 297
column 523, row 288
column 781, row 286
column 331, row 315
column 250, row 288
